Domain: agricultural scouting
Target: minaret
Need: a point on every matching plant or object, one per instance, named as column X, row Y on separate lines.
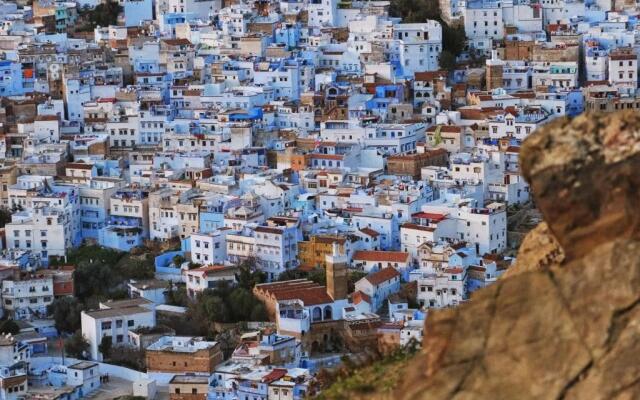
column 337, row 274
column 494, row 71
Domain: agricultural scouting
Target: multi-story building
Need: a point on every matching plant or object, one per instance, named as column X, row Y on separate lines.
column 95, row 204
column 27, row 296
column 208, row 277
column 115, row 319
column 209, row 248
column 440, row 288
column 419, row 46
column 15, row 357
column 128, row 223
column 44, row 231
column 483, row 20
column 379, row 285
column 273, row 247
column 623, row 70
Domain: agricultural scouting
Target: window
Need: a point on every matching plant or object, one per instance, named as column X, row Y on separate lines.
column 130, row 323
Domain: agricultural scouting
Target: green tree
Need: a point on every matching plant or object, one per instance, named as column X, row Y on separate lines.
column 354, row 276
column 206, row 309
column 291, row 274
column 177, row 295
column 105, row 346
column 66, row 314
column 76, row 346
column 453, row 39
column 447, row 60
column 178, row 260
column 9, row 326
column 104, row 14
column 248, row 275
column 318, row 275
column 415, row 10
column 5, row 216
column 103, row 273
column 193, row 265
column 241, row 303
column 258, row 312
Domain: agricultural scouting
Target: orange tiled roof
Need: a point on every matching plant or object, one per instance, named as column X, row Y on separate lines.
column 386, row 256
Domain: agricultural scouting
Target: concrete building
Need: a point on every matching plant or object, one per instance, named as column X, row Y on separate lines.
column 85, row 374
column 28, row 296
column 183, row 355
column 379, row 285
column 115, row 319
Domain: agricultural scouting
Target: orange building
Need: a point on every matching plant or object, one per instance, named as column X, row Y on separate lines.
column 313, row 253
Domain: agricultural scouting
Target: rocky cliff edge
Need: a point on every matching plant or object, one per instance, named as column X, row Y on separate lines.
column 564, row 323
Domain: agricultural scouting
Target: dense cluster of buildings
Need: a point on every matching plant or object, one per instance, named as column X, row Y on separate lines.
column 290, row 135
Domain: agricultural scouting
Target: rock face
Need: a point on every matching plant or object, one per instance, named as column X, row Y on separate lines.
column 565, row 323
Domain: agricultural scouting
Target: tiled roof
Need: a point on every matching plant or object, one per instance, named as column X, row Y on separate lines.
column 384, row 275
column 213, row 270
column 309, row 296
column 418, row 227
column 358, row 297
column 445, row 128
column 427, row 215
column 430, row 75
column 386, row 256
column 266, row 229
column 370, row 232
column 274, row 375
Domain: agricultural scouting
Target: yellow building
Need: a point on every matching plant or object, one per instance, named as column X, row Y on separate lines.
column 8, row 177
column 312, row 253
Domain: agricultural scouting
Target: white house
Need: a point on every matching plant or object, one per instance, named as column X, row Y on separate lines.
column 153, row 290
column 85, row 374
column 419, row 46
column 22, row 298
column 485, row 228
column 623, row 70
column 379, row 285
column 371, row 260
column 44, row 231
column 115, row 319
column 209, row 248
column 442, row 289
column 207, row 277
column 483, row 20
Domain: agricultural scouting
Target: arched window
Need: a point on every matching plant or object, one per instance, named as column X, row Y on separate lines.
column 316, row 314
column 328, row 313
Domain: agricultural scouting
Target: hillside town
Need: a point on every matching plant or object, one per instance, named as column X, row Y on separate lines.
column 223, row 199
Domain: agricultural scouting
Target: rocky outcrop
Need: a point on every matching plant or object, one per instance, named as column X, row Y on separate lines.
column 539, row 250
column 565, row 323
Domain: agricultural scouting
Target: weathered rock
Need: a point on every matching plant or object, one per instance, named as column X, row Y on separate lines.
column 583, row 175
column 539, row 250
column 565, row 323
